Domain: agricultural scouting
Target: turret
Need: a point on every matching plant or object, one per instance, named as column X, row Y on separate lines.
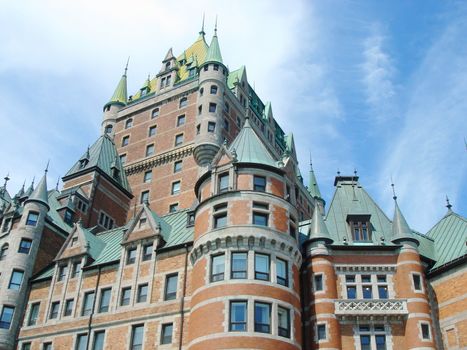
column 313, row 188
column 118, row 100
column 401, row 232
column 212, row 87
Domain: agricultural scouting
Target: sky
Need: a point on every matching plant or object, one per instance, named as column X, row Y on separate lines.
column 379, row 87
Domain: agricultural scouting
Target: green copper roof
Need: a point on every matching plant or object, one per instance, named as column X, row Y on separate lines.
column 53, row 216
column 40, row 193
column 400, row 229
column 449, row 235
column 318, row 229
column 235, row 76
column 103, row 155
column 313, row 187
column 249, row 148
column 120, row 95
column 214, row 51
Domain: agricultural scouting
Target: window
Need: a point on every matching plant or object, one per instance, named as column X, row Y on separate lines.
column 173, row 208
column 47, row 346
column 318, row 282
column 200, row 109
column 82, row 206
column 238, row 316
column 260, row 219
column 282, row 273
column 126, row 295
column 147, row 252
column 76, row 269
column 169, row 78
column 104, row 302
column 87, row 303
column 62, row 270
column 226, row 124
column 217, row 267
column 220, row 220
column 149, row 150
column 177, row 166
column 16, row 279
column 212, row 107
column 201, row 92
column 105, row 221
column 223, row 184
column 108, row 129
column 81, row 342
column 425, row 328
column 123, row 158
column 68, row 307
column 4, row 251
column 321, row 331
column 26, row 346
column 206, row 67
column 417, row 282
column 175, row 187
column 32, row 218
column 54, row 310
column 142, row 293
column 181, row 120
column 125, row 140
column 152, row 130
column 360, row 231
column 213, row 89
column 130, row 256
column 128, row 123
column 137, row 333
column 382, row 287
column 68, row 216
column 25, row 246
column 351, row 287
column 239, row 265
column 259, row 183
column 367, row 292
column 6, row 317
column 162, row 82
column 144, row 197
column 262, row 267
column 170, row 292
column 283, row 322
column 155, row 113
column 98, row 341
column 211, row 126
column 178, row 139
column 216, row 67
column 183, row 102
column 166, row 333
column 33, row 314
column 376, row 332
column 262, row 317
column 147, row 176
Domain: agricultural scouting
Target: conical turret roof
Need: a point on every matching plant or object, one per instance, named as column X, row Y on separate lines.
column 318, row 229
column 120, row 95
column 313, row 187
column 40, row 193
column 400, row 229
column 214, row 51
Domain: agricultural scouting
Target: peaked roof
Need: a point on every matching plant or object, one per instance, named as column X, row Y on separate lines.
column 214, row 52
column 313, row 187
column 102, row 155
column 169, row 56
column 249, row 148
column 40, row 193
column 400, row 229
column 235, row 76
column 120, row 95
column 318, row 229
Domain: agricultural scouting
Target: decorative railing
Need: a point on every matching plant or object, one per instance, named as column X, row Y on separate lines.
column 362, row 307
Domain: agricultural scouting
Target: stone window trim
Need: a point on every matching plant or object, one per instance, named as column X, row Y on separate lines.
column 173, row 190
column 125, row 141
column 422, row 327
column 166, row 320
column 93, row 339
column 413, row 277
column 25, row 246
column 179, row 139
column 166, row 296
column 314, row 277
column 372, row 333
column 374, row 283
column 152, row 131
column 32, row 318
column 181, row 120
column 327, row 335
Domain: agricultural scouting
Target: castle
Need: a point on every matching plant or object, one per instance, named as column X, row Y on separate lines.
column 187, row 225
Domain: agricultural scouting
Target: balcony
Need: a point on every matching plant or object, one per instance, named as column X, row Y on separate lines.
column 363, row 308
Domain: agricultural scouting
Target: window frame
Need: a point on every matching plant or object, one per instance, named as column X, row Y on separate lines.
column 103, row 308
column 130, row 259
column 281, row 331
column 176, row 164
column 152, row 131
column 67, row 310
column 165, row 339
column 32, row 219
column 173, row 294
column 219, row 276
column 150, row 150
column 33, row 314
column 14, row 285
column 54, row 310
column 181, row 120
column 257, row 325
column 179, row 139
column 25, row 250
column 145, row 256
column 176, row 188
column 140, row 297
column 243, row 272
column 259, row 187
column 234, row 323
column 89, row 296
column 279, row 279
column 125, row 301
column 267, row 275
column 6, row 319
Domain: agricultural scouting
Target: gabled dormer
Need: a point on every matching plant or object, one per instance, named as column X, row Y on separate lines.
column 168, row 73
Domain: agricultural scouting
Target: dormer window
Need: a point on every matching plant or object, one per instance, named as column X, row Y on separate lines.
column 83, row 163
column 168, row 80
column 360, row 227
column 142, row 222
column 167, row 65
column 192, row 72
column 68, row 217
column 144, row 91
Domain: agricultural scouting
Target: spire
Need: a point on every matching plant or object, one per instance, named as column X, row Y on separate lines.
column 169, row 56
column 214, row 51
column 40, row 193
column 448, row 205
column 202, row 32
column 30, row 188
column 119, row 96
column 318, row 229
column 313, row 187
column 400, row 229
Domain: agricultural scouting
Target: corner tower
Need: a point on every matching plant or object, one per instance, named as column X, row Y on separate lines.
column 115, row 104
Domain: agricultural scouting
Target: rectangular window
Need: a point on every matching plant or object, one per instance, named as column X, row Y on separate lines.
column 239, row 265
column 380, row 340
column 98, row 341
column 213, row 89
column 25, row 246
column 226, row 124
column 137, row 333
column 122, row 158
column 54, row 309
column 170, row 292
column 367, row 292
column 68, row 307
column 125, row 297
column 166, row 333
column 152, row 130
column 104, row 302
column 177, row 166
column 6, row 317
column 181, row 120
column 105, row 221
column 175, row 187
column 351, row 292
column 238, row 316
column 76, row 269
column 178, row 139
column 212, row 107
column 47, row 346
column 211, row 126
column 262, row 267
column 417, row 282
column 223, row 182
column 87, row 303
column 81, row 341
column 144, row 197
column 220, row 220
column 283, row 322
column 282, row 272
column 321, row 331
column 142, row 293
column 33, row 314
column 173, row 208
column 149, row 150
column 318, row 279
column 32, row 218
column 365, row 342
column 383, row 292
column 62, row 270
column 26, row 346
column 260, row 219
column 217, row 268
column 130, row 256
column 16, row 279
column 366, row 279
column 262, row 317
column 125, row 141
column 425, row 331
column 147, row 252
column 147, row 176
column 259, row 183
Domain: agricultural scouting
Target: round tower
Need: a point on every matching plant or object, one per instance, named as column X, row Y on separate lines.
column 115, row 104
column 212, row 85
column 23, row 243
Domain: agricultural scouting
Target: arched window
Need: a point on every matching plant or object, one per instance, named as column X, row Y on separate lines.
column 4, row 251
column 108, row 129
column 183, row 102
column 201, row 91
column 129, row 123
column 167, row 65
column 155, row 113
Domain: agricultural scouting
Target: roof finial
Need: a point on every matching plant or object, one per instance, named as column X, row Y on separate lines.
column 448, row 205
column 311, row 161
column 202, row 27
column 58, row 182
column 47, row 167
column 338, row 172
column 7, row 178
column 355, row 172
column 126, row 66
column 215, row 27
column 393, row 190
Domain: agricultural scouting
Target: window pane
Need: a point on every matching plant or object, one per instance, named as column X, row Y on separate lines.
column 262, row 317
column 131, row 256
column 262, row 267
column 383, row 292
column 365, row 342
column 281, row 269
column 16, row 279
column 321, row 332
column 6, row 317
column 220, row 220
column 126, row 295
column 319, row 282
column 98, row 343
column 32, row 218
column 367, row 292
column 68, row 307
column 25, row 246
column 54, row 310
column 218, row 268
column 417, row 282
column 33, row 314
column 223, row 182
column 166, row 336
column 351, row 292
column 259, row 183
column 81, row 341
column 137, row 337
column 142, row 293
column 147, row 252
column 238, row 316
column 88, row 302
column 283, row 320
column 171, row 287
column 260, row 219
column 105, row 300
column 239, row 265
column 380, row 342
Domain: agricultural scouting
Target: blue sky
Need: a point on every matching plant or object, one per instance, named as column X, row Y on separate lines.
column 377, row 86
